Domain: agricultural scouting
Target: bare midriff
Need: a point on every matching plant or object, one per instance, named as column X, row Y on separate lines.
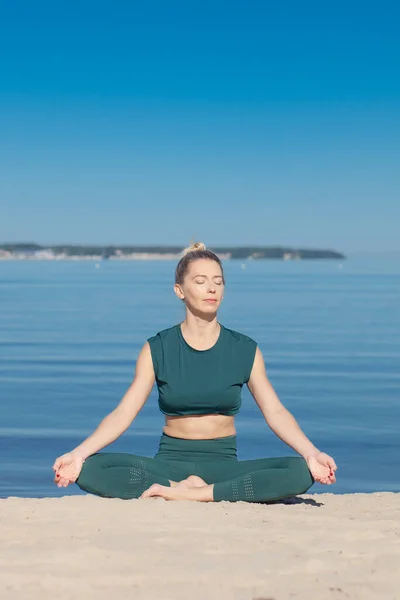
column 200, row 427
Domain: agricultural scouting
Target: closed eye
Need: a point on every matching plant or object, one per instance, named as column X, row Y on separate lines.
column 200, row 281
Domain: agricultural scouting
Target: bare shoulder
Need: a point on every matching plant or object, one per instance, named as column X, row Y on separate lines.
column 144, row 363
column 258, row 370
column 140, row 388
column 259, row 358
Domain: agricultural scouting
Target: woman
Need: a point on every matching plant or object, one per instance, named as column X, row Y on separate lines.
column 200, row 367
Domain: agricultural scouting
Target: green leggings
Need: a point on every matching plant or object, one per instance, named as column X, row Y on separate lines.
column 114, row 475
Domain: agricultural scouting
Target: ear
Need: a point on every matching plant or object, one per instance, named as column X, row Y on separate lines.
column 179, row 292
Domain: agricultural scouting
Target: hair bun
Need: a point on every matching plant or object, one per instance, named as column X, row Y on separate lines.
column 194, row 247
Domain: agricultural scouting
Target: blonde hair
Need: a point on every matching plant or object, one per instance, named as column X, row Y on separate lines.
column 194, row 246
column 196, row 251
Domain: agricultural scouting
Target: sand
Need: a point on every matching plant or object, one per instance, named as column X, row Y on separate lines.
column 314, row 547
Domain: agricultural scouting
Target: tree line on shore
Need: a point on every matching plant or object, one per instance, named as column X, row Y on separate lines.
column 238, row 252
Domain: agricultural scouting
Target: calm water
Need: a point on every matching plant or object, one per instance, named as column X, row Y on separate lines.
column 70, row 334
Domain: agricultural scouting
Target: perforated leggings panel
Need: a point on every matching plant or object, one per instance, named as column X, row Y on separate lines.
column 126, row 476
column 274, row 479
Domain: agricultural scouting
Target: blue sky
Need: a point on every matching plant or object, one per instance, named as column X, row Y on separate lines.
column 233, row 122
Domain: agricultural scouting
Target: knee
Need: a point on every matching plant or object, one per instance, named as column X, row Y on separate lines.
column 298, row 474
column 303, row 475
column 89, row 473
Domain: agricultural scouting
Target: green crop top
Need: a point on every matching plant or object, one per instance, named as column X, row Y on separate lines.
column 201, row 382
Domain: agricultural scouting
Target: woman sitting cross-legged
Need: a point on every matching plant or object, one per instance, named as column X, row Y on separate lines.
column 200, row 367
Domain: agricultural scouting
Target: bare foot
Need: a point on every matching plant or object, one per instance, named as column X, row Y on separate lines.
column 186, row 484
column 191, row 482
column 168, row 493
column 200, row 493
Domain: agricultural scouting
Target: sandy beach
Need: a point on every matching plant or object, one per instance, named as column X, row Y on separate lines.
column 317, row 546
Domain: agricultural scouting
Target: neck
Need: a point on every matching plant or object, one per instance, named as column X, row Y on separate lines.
column 200, row 327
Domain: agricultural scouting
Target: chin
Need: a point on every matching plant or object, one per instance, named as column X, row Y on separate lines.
column 210, row 309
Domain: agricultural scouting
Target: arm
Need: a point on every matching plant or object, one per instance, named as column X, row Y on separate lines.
column 118, row 421
column 278, row 418
column 68, row 466
column 283, row 424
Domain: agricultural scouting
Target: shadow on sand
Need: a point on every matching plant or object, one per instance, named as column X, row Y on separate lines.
column 296, row 500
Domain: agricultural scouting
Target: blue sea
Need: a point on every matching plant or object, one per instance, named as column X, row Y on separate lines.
column 70, row 333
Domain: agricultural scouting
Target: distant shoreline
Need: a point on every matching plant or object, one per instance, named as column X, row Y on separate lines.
column 32, row 251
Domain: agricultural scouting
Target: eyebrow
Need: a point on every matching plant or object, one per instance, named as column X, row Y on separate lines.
column 198, row 275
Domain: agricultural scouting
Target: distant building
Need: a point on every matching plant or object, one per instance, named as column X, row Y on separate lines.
column 44, row 254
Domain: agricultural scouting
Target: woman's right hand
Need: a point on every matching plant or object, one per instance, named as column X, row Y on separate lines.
column 67, row 468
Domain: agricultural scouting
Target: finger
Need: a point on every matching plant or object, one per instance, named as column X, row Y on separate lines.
column 321, row 475
column 57, row 464
column 59, row 474
column 331, row 463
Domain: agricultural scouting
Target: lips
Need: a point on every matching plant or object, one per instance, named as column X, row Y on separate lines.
column 210, row 300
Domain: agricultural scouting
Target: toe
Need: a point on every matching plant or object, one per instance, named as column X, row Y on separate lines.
column 153, row 490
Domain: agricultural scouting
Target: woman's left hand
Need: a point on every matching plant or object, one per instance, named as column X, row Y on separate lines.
column 322, row 467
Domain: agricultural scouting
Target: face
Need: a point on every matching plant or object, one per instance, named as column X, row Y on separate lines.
column 203, row 287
